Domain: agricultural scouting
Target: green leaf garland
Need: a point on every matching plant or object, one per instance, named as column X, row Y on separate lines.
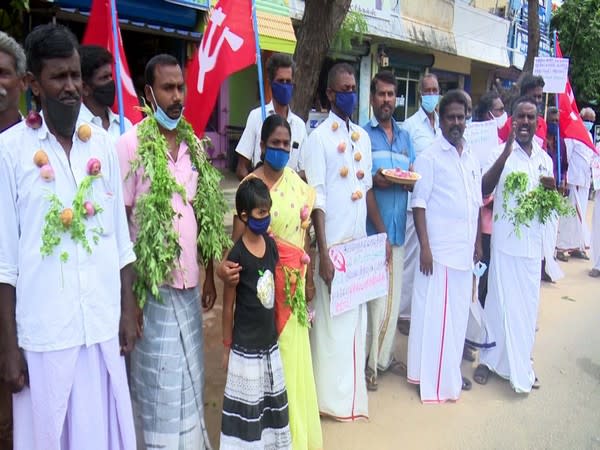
column 296, row 301
column 540, row 203
column 157, row 245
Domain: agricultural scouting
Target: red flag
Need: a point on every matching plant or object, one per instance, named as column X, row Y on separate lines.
column 228, row 45
column 571, row 124
column 99, row 32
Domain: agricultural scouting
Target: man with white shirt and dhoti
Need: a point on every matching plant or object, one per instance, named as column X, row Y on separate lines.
column 67, row 310
column 446, row 203
column 338, row 166
column 573, row 232
column 423, row 127
column 511, row 306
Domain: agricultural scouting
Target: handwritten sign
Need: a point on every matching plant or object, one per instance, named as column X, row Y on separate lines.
column 596, row 173
column 361, row 273
column 482, row 138
column 555, row 72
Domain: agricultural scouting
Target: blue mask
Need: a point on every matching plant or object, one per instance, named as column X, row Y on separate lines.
column 277, row 158
column 282, row 92
column 429, row 102
column 346, row 102
column 259, row 226
column 553, row 129
column 588, row 125
column 162, row 118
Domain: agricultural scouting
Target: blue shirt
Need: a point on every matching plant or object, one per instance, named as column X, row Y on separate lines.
column 391, row 201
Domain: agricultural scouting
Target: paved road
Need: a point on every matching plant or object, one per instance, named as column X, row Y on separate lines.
column 563, row 414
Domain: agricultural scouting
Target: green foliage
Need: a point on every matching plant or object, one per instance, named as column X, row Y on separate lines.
column 157, row 245
column 354, row 26
column 578, row 26
column 54, row 227
column 539, row 204
column 296, row 301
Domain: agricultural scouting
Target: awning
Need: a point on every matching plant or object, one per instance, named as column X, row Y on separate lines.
column 275, row 33
column 203, row 5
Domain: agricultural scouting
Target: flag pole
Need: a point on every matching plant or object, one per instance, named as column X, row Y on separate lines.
column 558, row 159
column 117, row 56
column 261, row 87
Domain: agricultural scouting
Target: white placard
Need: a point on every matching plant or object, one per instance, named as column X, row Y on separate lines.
column 482, row 138
column 361, row 273
column 596, row 173
column 555, row 72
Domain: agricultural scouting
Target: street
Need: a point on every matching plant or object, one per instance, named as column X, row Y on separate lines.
column 563, row 414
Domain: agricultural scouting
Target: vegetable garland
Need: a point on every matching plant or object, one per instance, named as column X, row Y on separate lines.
column 539, row 203
column 157, row 245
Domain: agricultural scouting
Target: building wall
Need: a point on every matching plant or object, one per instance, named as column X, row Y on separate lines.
column 243, row 95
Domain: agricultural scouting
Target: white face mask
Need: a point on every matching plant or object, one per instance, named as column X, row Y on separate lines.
column 500, row 121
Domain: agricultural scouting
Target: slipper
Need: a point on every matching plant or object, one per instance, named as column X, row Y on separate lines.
column 398, row 368
column 466, row 386
column 579, row 254
column 562, row 256
column 481, row 374
column 536, row 384
column 594, row 273
column 371, row 380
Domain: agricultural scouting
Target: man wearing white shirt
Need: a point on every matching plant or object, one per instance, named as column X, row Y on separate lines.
column 446, row 203
column 423, row 127
column 67, row 310
column 280, row 72
column 511, row 306
column 573, row 232
column 338, row 166
column 99, row 91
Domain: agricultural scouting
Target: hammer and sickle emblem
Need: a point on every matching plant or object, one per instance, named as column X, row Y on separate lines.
column 208, row 60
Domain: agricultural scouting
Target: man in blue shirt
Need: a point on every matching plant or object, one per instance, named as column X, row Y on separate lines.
column 386, row 210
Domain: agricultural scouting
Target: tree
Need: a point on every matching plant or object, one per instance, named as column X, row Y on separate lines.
column 321, row 21
column 11, row 17
column 578, row 26
column 533, row 34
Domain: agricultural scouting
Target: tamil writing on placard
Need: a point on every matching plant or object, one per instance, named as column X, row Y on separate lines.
column 554, row 71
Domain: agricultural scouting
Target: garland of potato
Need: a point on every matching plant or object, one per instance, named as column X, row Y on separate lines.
column 157, row 245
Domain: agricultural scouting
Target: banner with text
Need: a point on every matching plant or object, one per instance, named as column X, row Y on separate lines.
column 596, row 173
column 361, row 273
column 554, row 71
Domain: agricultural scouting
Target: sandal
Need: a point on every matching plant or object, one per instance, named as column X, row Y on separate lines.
column 466, row 386
column 562, row 256
column 481, row 375
column 536, row 384
column 398, row 368
column 580, row 254
column 371, row 380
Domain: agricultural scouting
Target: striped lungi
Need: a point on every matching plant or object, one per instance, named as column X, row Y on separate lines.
column 167, row 373
column 255, row 406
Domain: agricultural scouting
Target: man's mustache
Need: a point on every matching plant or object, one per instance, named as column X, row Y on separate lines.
column 175, row 108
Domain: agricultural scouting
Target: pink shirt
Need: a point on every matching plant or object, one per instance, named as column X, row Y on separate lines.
column 187, row 273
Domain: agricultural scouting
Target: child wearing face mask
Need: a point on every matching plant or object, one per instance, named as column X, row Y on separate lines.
column 255, row 407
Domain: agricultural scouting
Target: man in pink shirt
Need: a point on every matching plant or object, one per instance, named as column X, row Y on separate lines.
column 160, row 161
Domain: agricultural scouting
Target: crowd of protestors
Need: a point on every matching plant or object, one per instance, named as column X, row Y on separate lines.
column 102, row 237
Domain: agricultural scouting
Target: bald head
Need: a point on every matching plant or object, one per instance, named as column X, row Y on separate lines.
column 588, row 114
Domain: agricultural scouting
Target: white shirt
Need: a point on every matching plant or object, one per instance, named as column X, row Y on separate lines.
column 345, row 218
column 420, row 131
column 114, row 123
column 504, row 238
column 61, row 304
column 249, row 144
column 579, row 156
column 450, row 192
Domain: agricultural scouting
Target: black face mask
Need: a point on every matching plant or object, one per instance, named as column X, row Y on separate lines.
column 63, row 117
column 104, row 94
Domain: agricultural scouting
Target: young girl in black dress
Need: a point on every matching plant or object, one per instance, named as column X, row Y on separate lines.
column 255, row 407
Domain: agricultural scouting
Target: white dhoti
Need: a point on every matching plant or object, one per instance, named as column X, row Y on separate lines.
column 338, row 354
column 573, row 232
column 383, row 314
column 440, row 311
column 596, row 232
column 411, row 256
column 549, row 239
column 78, row 398
column 510, row 316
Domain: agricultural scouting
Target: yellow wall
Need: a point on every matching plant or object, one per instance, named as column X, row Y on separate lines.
column 451, row 63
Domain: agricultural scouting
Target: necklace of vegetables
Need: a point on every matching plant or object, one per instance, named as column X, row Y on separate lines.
column 539, row 203
column 157, row 245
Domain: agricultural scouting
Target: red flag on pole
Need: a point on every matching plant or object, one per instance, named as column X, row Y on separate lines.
column 228, row 46
column 99, row 32
column 571, row 124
